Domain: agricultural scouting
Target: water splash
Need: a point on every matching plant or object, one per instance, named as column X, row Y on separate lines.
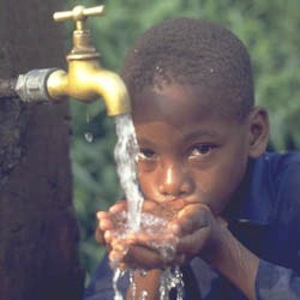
column 171, row 278
column 143, row 295
column 118, row 274
column 126, row 155
column 89, row 137
column 87, row 118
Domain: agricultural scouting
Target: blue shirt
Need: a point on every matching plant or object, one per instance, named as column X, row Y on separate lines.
column 265, row 217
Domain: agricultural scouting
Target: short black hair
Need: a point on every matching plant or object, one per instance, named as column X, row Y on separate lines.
column 191, row 51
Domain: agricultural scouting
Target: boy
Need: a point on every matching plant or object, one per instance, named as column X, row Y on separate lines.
column 234, row 208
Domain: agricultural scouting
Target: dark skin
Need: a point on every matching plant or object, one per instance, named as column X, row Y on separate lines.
column 193, row 159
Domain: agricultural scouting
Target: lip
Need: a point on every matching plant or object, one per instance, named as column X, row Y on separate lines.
column 176, row 204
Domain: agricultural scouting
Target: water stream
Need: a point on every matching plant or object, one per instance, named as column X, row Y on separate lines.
column 88, row 135
column 126, row 156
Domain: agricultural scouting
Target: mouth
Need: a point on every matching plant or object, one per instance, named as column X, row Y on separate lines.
column 170, row 208
column 175, row 203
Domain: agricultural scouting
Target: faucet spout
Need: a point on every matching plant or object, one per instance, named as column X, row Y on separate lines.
column 86, row 82
column 114, row 92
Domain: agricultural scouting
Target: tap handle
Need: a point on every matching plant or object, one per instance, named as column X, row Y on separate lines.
column 78, row 14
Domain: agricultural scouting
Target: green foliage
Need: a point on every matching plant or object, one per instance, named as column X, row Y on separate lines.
column 268, row 28
column 95, row 180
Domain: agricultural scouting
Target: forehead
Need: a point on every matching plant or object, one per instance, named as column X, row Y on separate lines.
column 178, row 103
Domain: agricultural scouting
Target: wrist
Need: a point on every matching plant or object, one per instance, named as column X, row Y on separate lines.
column 148, row 282
column 228, row 256
column 216, row 246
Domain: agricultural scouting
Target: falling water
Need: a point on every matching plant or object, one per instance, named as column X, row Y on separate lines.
column 126, row 155
column 88, row 136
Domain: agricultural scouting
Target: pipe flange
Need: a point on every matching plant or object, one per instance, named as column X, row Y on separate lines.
column 32, row 86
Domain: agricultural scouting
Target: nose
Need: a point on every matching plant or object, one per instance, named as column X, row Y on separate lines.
column 174, row 181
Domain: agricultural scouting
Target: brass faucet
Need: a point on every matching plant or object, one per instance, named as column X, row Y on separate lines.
column 85, row 81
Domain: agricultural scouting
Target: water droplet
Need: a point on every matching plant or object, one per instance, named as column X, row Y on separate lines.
column 89, row 137
column 159, row 69
column 118, row 274
column 87, row 118
column 126, row 153
column 143, row 295
column 143, row 273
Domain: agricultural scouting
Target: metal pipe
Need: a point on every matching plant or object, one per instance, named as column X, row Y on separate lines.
column 85, row 80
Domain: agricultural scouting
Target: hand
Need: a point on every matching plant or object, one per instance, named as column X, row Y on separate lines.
column 191, row 231
column 199, row 231
column 112, row 222
column 106, row 222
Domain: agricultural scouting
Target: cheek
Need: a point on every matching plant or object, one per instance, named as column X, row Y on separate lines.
column 221, row 183
column 147, row 183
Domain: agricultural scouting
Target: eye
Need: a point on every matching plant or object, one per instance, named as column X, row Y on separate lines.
column 146, row 154
column 201, row 150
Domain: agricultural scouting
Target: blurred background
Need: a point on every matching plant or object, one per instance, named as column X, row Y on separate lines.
column 269, row 29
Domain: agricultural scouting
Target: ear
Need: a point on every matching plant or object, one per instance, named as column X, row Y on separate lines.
column 258, row 131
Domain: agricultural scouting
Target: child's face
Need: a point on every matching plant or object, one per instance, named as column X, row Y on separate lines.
column 188, row 152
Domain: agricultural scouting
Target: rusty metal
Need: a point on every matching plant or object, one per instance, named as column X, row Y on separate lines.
column 7, row 88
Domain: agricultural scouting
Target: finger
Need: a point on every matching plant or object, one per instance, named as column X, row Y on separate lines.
column 104, row 219
column 191, row 218
column 142, row 251
column 144, row 258
column 192, row 245
column 108, row 236
column 162, row 245
column 119, row 248
column 99, row 236
column 153, row 240
column 121, row 205
column 222, row 222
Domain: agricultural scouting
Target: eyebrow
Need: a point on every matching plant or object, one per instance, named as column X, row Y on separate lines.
column 202, row 134
column 144, row 141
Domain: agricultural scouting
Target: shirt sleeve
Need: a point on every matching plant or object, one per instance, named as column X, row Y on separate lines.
column 274, row 282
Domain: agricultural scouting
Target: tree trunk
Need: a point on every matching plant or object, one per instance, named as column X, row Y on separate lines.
column 38, row 230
